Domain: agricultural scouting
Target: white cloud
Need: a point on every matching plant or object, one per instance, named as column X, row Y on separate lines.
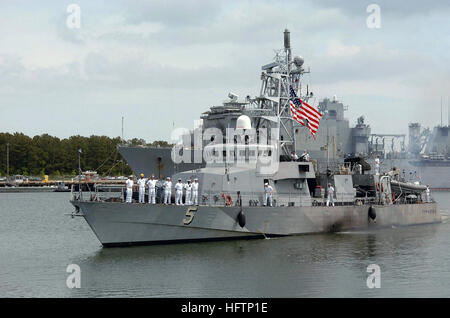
column 136, row 58
column 338, row 49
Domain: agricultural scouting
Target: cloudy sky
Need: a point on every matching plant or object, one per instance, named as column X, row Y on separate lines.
column 161, row 62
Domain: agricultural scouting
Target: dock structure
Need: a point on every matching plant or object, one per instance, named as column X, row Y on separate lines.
column 56, row 185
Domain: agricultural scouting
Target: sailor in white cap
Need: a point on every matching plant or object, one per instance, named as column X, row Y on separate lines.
column 141, row 183
column 427, row 192
column 168, row 191
column 188, row 187
column 330, row 194
column 130, row 184
column 151, row 183
column 179, row 193
column 377, row 165
column 195, row 192
column 305, row 156
column 268, row 190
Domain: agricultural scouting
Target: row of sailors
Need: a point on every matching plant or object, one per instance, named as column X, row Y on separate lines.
column 191, row 190
column 303, row 157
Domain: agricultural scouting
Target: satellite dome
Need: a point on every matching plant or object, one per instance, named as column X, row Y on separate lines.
column 243, row 122
column 298, row 61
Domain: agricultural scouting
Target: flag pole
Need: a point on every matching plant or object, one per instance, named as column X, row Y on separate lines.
column 80, row 192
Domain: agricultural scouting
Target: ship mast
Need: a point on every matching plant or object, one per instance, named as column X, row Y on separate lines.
column 291, row 73
column 273, row 102
column 289, row 146
column 287, row 49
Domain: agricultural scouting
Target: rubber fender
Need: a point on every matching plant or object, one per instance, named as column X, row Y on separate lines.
column 372, row 213
column 241, row 218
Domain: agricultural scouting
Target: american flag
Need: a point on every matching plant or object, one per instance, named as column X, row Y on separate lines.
column 302, row 111
column 295, row 104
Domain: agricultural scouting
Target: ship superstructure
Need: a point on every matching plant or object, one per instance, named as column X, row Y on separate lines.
column 424, row 158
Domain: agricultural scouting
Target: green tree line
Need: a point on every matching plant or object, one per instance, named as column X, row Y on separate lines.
column 45, row 154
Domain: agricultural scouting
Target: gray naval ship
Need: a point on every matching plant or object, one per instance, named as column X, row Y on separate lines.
column 240, row 147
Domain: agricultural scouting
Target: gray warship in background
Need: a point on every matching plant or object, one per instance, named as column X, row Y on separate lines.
column 426, row 158
column 231, row 191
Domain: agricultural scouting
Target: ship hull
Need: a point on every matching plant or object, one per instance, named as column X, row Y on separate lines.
column 121, row 224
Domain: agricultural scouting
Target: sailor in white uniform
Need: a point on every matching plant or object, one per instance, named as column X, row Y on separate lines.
column 427, row 192
column 330, row 194
column 151, row 183
column 130, row 184
column 188, row 188
column 179, row 193
column 195, row 192
column 168, row 191
column 141, row 183
column 377, row 165
column 268, row 190
column 305, row 156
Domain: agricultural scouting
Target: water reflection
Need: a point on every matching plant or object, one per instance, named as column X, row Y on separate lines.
column 35, row 253
column 307, row 266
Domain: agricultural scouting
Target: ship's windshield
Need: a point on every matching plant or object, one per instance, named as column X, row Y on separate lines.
column 221, row 153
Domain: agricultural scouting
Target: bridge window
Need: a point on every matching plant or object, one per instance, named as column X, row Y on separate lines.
column 332, row 113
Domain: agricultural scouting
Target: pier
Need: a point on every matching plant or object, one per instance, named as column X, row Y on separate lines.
column 55, row 185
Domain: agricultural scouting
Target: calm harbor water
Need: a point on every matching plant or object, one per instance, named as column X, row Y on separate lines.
column 38, row 241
